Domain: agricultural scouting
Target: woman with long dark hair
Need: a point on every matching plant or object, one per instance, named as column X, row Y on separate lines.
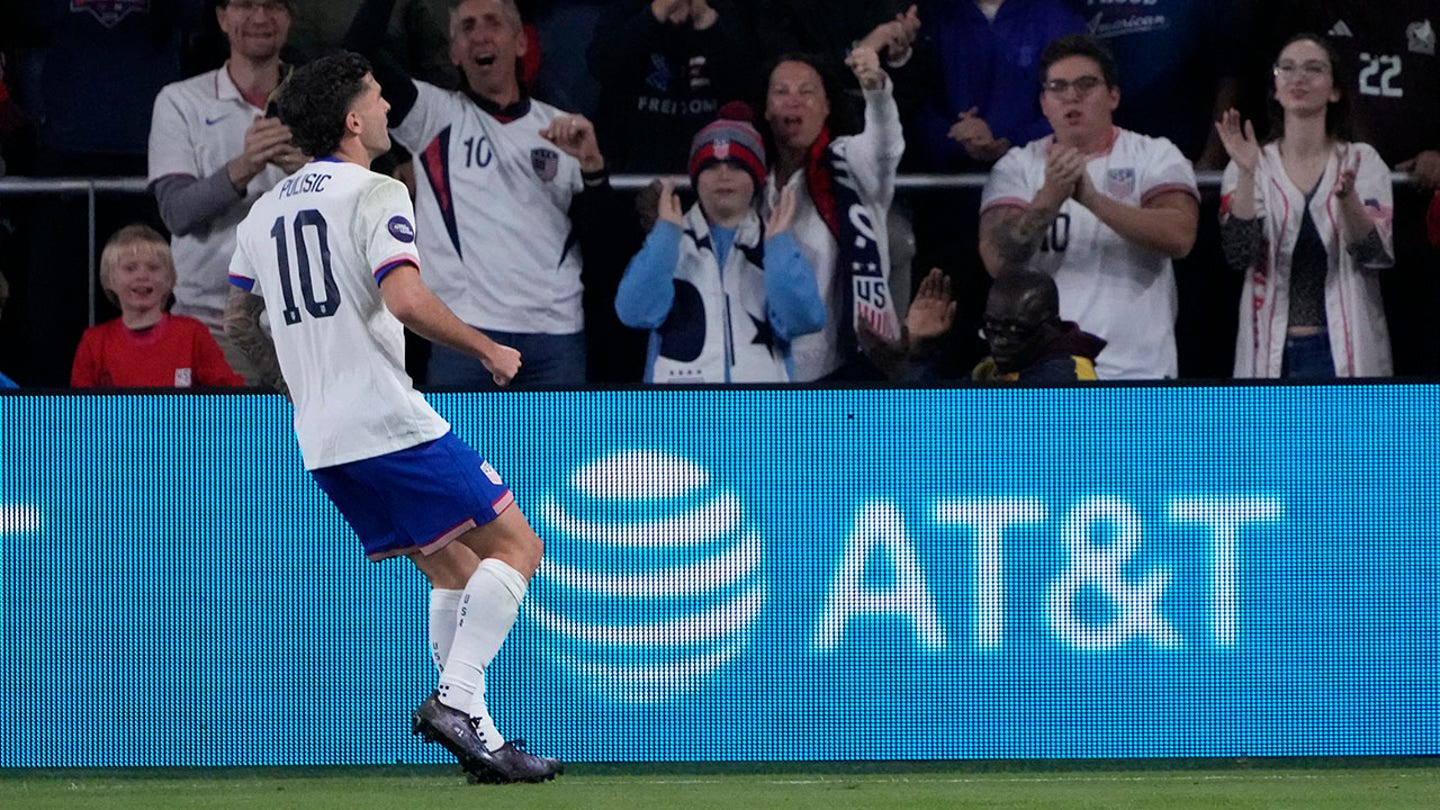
column 1307, row 217
column 843, row 186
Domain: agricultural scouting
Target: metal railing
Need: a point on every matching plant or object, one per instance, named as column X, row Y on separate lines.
column 92, row 187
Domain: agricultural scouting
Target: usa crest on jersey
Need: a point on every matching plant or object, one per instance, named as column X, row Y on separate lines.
column 545, row 162
column 110, row 12
column 1120, row 182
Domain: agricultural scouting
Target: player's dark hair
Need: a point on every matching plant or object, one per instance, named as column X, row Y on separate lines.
column 1337, row 113
column 315, row 98
column 1085, row 45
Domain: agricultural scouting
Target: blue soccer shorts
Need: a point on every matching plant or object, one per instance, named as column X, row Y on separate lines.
column 420, row 498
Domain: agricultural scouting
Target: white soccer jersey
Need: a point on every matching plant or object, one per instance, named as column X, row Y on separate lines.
column 493, row 201
column 316, row 247
column 1112, row 287
column 197, row 127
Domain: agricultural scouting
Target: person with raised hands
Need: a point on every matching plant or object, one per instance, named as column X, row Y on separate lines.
column 510, row 193
column 1101, row 209
column 1307, row 217
column 723, row 293
column 843, row 187
column 215, row 147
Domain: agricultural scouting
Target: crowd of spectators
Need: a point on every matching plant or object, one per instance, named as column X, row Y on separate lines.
column 1088, row 119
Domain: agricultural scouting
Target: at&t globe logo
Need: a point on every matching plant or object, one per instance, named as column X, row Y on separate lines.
column 652, row 579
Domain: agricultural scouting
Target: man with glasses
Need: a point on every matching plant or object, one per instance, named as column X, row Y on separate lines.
column 1101, row 209
column 1028, row 341
column 213, row 152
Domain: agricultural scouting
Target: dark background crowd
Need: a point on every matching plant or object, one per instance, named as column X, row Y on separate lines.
column 80, row 80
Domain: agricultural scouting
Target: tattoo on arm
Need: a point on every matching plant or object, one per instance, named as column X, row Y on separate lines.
column 242, row 326
column 1019, row 236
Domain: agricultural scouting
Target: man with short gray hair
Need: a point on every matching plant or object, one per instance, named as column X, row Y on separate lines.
column 505, row 187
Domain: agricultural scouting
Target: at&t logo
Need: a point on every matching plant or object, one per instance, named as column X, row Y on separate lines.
column 653, row 579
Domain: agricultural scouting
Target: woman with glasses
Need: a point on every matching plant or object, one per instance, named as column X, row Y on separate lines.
column 1307, row 217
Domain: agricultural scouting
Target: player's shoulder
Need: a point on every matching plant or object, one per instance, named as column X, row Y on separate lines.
column 374, row 185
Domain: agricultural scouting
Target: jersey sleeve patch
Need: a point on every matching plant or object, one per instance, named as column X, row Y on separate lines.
column 401, row 228
column 246, row 284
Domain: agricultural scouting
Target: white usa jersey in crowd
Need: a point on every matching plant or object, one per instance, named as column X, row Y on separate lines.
column 493, row 200
column 1109, row 285
column 316, row 247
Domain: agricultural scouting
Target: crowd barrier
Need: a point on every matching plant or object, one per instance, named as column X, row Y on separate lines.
column 748, row 574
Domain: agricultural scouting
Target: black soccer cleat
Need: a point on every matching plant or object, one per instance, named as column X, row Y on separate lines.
column 438, row 723
column 512, row 763
column 454, row 730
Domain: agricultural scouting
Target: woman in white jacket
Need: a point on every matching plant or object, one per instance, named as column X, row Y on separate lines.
column 1307, row 217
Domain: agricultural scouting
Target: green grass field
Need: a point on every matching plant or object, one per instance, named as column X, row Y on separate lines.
column 1310, row 784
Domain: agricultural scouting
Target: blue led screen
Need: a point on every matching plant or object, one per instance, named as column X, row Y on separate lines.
column 747, row 574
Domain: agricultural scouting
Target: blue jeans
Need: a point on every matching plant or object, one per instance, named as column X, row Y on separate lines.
column 545, row 361
column 1308, row 357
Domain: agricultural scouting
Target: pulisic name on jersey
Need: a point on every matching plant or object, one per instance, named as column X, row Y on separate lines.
column 303, row 183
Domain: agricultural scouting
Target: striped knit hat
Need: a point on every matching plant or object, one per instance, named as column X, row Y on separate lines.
column 730, row 137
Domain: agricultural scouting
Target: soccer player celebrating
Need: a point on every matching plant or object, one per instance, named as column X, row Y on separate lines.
column 332, row 251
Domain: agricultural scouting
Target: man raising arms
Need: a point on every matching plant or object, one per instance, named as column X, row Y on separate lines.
column 508, row 189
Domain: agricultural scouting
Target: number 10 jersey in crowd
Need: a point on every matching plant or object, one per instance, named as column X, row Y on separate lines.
column 316, row 247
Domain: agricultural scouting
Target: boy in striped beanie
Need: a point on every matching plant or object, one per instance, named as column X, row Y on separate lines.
column 722, row 292
column 730, row 138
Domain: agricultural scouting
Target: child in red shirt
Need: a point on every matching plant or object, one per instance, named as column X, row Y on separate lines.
column 146, row 347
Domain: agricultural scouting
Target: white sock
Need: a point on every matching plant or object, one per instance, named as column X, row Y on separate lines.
column 444, row 607
column 488, row 608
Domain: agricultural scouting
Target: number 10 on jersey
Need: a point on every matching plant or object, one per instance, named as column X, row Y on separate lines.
column 308, row 218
